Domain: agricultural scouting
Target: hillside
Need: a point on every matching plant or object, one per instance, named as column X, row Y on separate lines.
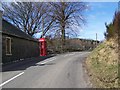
column 102, row 65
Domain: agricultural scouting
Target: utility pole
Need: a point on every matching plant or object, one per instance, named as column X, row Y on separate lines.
column 96, row 39
column 42, row 26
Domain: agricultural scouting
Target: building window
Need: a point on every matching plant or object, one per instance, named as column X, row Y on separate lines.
column 8, row 46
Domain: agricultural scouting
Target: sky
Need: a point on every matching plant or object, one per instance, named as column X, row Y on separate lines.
column 96, row 16
column 99, row 12
column 61, row 0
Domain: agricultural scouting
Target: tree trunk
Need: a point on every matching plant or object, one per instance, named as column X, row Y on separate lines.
column 63, row 39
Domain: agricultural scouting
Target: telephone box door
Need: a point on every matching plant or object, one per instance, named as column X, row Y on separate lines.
column 43, row 51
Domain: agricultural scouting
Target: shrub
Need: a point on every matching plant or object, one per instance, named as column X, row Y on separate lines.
column 113, row 29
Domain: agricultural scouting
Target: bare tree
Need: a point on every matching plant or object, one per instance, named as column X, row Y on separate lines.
column 68, row 15
column 30, row 17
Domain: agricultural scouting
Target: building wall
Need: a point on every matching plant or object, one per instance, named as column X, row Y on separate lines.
column 21, row 48
column 0, row 21
column 0, row 36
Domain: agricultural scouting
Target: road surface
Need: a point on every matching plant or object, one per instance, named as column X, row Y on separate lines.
column 60, row 71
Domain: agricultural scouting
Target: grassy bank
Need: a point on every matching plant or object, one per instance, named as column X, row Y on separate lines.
column 102, row 65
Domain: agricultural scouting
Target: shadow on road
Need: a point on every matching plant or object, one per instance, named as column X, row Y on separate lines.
column 24, row 64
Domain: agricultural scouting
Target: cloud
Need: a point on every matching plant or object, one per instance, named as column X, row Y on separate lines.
column 91, row 16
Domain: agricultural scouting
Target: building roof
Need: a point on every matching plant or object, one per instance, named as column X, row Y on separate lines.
column 8, row 28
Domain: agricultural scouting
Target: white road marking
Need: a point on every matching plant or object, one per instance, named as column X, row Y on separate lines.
column 65, row 55
column 52, row 59
column 11, row 79
column 69, row 54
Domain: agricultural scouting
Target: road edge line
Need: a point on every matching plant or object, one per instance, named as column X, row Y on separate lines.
column 11, row 79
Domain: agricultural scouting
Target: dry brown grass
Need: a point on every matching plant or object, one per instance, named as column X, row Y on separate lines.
column 102, row 65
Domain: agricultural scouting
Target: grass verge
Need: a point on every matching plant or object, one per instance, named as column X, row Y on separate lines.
column 102, row 65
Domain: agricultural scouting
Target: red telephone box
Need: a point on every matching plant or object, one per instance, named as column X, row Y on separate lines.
column 43, row 47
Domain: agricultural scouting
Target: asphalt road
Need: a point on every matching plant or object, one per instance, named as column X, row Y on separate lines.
column 60, row 71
